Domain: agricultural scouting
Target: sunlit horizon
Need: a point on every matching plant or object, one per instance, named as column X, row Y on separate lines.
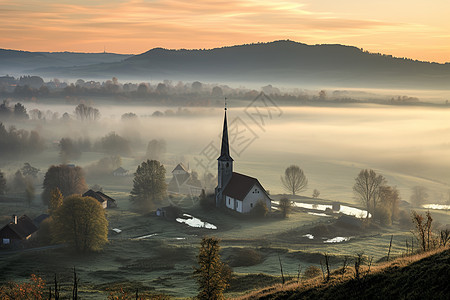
column 409, row 29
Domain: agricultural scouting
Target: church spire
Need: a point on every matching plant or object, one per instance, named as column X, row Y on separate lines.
column 225, row 150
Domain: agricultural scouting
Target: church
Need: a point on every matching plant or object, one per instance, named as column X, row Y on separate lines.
column 236, row 191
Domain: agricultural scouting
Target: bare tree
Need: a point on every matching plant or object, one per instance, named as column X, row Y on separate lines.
column 367, row 188
column 423, row 231
column 419, row 195
column 294, row 180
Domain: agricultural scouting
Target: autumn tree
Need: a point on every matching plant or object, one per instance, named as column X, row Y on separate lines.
column 367, row 188
column 285, row 206
column 419, row 195
column 210, row 273
column 56, row 201
column 81, row 222
column 149, row 185
column 67, row 178
column 34, row 289
column 294, row 180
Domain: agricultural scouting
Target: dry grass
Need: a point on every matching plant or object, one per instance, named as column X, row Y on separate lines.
column 303, row 288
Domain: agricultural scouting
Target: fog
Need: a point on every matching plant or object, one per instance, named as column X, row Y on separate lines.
column 408, row 145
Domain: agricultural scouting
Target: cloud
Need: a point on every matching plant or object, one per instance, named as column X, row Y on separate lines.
column 134, row 26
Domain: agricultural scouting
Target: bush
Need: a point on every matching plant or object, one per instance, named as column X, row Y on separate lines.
column 244, row 257
column 312, row 271
column 260, row 209
column 383, row 215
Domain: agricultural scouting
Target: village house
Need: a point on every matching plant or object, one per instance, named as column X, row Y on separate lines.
column 120, row 172
column 18, row 230
column 184, row 181
column 105, row 201
column 236, row 191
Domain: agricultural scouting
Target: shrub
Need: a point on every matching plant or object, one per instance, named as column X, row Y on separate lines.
column 312, row 271
column 245, row 257
column 260, row 209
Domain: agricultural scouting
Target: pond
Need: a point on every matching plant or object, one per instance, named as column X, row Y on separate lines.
column 195, row 222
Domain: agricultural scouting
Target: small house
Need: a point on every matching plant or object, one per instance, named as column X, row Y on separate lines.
column 184, row 182
column 105, row 201
column 120, row 172
column 18, row 230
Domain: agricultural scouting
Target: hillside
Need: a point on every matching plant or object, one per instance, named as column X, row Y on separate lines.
column 286, row 62
column 24, row 62
column 405, row 278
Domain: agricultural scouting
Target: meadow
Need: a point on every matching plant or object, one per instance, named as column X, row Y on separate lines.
column 408, row 145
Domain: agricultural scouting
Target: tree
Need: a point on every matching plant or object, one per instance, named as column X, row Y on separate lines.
column 316, row 193
column 390, row 200
column 56, row 201
column 129, row 116
column 81, row 222
column 2, row 183
column 87, row 113
column 68, row 179
column 28, row 170
column 68, row 150
column 114, row 144
column 156, row 149
column 367, row 188
column 20, row 112
column 419, row 195
column 294, row 180
column 149, row 185
column 210, row 272
column 423, row 231
column 285, row 206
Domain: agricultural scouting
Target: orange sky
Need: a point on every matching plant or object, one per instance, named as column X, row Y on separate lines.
column 415, row 28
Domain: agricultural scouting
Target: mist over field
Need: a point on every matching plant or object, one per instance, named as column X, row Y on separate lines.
column 408, row 145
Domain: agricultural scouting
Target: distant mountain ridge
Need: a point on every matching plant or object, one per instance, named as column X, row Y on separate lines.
column 25, row 62
column 279, row 62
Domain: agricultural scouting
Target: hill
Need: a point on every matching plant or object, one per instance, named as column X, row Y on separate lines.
column 286, row 62
column 24, row 62
column 416, row 277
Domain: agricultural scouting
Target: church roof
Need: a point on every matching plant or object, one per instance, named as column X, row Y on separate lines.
column 225, row 149
column 240, row 185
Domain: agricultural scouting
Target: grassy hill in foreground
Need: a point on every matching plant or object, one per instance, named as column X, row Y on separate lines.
column 423, row 276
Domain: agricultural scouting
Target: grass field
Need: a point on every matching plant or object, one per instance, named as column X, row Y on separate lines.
column 162, row 262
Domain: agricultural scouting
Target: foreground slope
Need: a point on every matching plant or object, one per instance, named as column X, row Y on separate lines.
column 426, row 278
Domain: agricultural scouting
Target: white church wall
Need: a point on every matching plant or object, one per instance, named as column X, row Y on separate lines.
column 239, row 206
column 229, row 202
column 254, row 195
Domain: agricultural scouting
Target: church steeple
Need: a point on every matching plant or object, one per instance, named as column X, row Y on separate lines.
column 225, row 150
column 225, row 162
